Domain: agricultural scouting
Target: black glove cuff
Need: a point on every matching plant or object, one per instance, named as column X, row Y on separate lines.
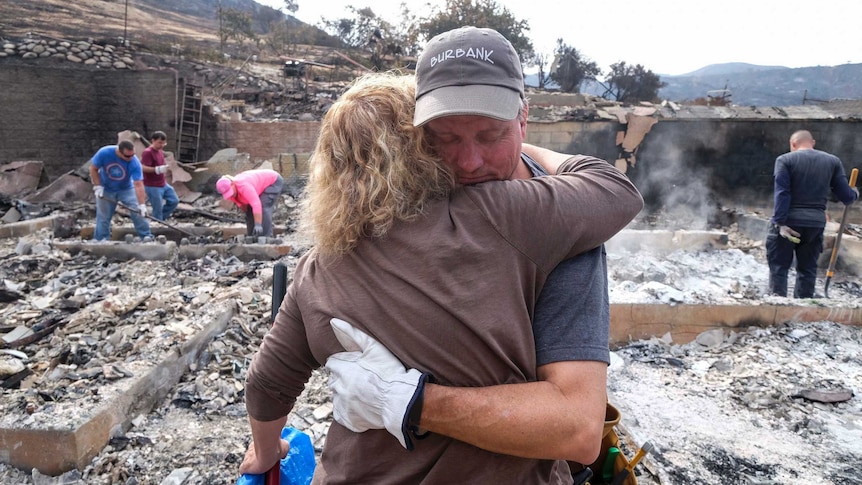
column 410, row 424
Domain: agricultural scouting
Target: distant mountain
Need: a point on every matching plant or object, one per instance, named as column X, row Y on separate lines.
column 753, row 85
column 725, row 69
column 768, row 85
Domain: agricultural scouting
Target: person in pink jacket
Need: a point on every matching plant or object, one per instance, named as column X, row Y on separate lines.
column 254, row 192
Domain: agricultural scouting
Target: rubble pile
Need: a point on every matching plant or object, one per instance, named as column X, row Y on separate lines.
column 767, row 405
column 110, row 322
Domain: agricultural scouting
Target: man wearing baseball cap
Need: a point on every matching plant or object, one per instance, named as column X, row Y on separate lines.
column 470, row 99
column 469, row 71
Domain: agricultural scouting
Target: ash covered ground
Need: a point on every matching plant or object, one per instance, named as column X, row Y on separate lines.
column 730, row 407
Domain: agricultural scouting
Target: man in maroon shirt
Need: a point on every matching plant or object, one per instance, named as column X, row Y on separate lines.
column 162, row 196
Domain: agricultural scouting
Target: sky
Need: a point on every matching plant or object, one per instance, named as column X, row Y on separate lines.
column 669, row 37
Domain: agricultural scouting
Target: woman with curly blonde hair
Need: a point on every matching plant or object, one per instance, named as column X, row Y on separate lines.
column 445, row 277
column 371, row 167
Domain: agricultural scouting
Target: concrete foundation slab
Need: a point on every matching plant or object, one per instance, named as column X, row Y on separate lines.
column 23, row 228
column 54, row 451
column 849, row 260
column 666, row 241
column 243, row 252
column 117, row 251
column 68, row 187
column 154, row 251
column 118, row 233
column 753, row 227
column 684, row 322
column 19, row 178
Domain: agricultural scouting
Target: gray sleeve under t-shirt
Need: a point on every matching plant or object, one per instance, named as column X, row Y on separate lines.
column 572, row 318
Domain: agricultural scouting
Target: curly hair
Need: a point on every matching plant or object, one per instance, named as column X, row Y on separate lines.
column 371, row 167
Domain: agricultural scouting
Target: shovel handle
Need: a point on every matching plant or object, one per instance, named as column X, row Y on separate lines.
column 830, row 271
column 273, row 475
column 183, row 231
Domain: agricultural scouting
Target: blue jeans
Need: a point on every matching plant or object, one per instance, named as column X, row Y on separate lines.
column 163, row 199
column 105, row 212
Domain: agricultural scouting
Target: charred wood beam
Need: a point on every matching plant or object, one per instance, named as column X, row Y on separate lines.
column 14, row 379
column 45, row 327
column 209, row 215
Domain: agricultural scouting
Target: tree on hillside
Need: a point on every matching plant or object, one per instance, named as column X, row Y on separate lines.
column 278, row 37
column 408, row 31
column 234, row 24
column 541, row 62
column 354, row 30
column 630, row 84
column 263, row 19
column 570, row 69
column 480, row 13
column 385, row 43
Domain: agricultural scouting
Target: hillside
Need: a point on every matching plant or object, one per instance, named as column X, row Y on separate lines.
column 154, row 24
column 101, row 19
column 769, row 86
column 192, row 27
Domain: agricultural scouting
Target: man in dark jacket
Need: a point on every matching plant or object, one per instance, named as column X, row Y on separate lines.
column 803, row 179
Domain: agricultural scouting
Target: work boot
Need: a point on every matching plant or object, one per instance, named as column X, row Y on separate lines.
column 777, row 285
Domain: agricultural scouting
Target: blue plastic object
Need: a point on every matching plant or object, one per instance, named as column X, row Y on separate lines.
column 297, row 468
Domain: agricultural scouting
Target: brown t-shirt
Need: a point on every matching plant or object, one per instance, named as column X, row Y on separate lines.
column 451, row 294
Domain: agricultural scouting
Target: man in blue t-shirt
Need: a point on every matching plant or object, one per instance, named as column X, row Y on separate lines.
column 117, row 177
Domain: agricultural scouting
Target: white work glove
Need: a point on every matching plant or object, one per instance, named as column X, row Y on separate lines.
column 371, row 388
column 161, row 169
column 99, row 191
column 142, row 208
column 258, row 230
column 789, row 234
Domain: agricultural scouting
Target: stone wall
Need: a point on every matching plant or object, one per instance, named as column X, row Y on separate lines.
column 62, row 115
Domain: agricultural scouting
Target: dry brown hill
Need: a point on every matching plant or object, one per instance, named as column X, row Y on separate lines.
column 99, row 19
column 153, row 24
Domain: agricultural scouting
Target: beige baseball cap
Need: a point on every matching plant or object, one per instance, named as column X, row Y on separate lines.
column 468, row 71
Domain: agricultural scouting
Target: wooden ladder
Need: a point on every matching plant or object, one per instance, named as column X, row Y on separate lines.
column 188, row 144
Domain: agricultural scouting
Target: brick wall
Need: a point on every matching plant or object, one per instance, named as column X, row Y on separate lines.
column 61, row 116
column 267, row 140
